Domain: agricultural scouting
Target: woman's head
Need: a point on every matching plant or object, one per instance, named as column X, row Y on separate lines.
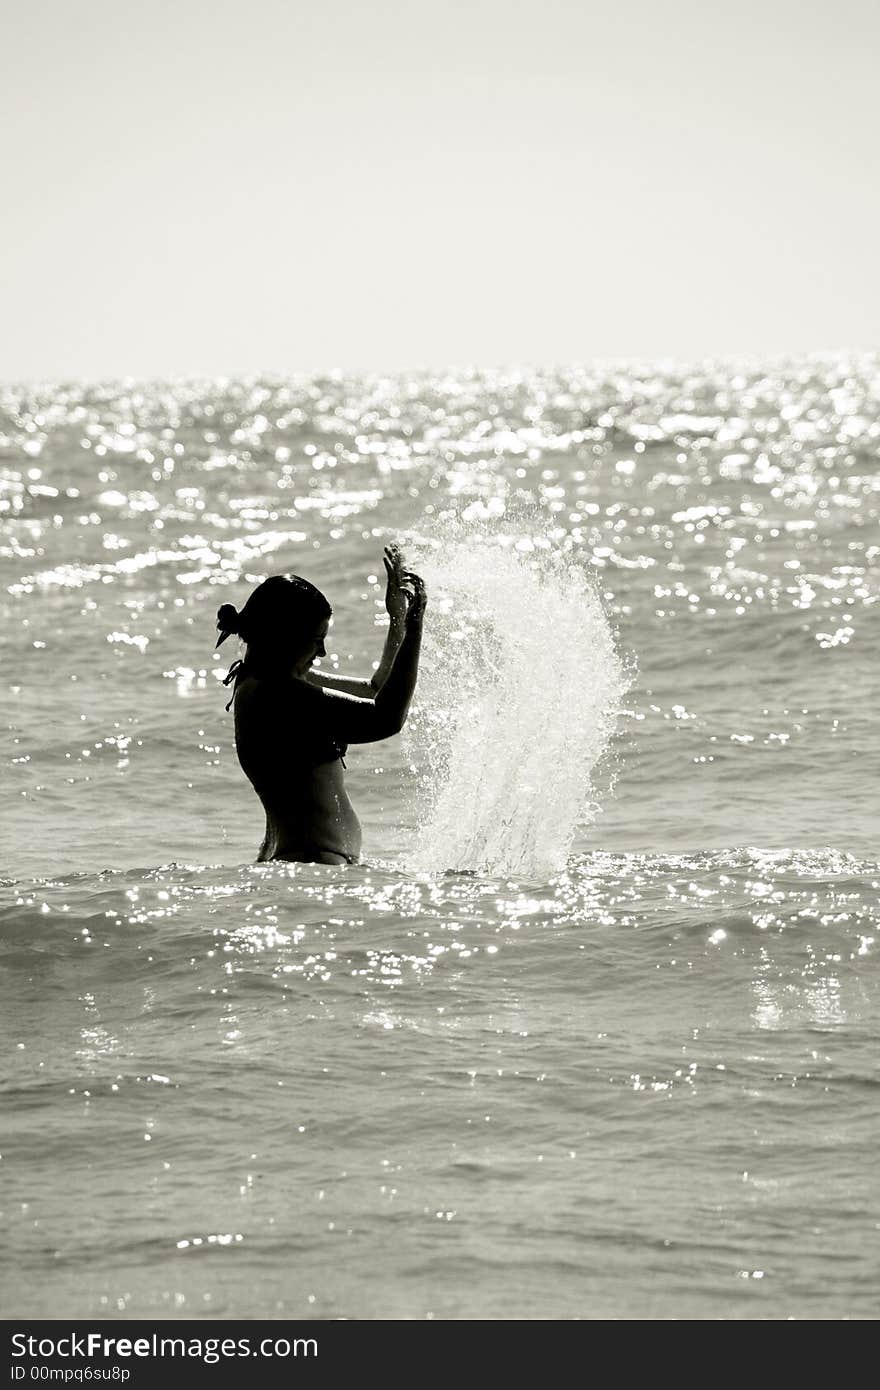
column 283, row 623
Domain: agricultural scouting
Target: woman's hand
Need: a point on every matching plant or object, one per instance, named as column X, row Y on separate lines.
column 397, row 599
column 418, row 598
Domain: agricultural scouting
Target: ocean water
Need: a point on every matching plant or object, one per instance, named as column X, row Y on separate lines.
column 592, row 1031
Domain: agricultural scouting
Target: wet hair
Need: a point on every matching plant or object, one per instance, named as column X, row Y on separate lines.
column 280, row 615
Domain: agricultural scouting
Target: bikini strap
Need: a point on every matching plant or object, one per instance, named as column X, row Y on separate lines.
column 235, row 674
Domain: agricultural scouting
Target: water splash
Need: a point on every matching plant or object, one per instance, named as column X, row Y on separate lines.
column 519, row 690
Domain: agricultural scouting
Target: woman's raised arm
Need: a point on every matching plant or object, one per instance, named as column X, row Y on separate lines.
column 396, row 599
column 366, row 721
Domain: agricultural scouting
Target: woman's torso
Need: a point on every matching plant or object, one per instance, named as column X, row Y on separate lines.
column 297, row 772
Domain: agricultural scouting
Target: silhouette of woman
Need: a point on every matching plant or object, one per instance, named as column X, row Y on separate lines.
column 293, row 724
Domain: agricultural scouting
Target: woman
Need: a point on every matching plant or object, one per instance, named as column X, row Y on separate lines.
column 292, row 724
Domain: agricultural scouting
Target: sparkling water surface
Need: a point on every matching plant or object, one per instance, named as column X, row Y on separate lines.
column 592, row 1031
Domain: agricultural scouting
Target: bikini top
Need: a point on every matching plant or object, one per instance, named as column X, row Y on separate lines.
column 323, row 747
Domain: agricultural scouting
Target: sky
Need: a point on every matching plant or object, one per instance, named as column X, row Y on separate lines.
column 214, row 187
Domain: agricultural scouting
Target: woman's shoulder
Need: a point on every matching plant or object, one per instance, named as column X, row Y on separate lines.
column 276, row 696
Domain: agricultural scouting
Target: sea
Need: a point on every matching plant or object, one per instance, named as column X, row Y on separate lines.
column 592, row 1030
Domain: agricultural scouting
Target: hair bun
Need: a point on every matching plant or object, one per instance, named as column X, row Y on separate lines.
column 227, row 618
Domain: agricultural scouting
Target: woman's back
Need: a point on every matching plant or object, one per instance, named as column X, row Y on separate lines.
column 295, row 766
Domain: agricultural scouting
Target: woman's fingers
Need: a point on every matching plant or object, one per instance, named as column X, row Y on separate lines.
column 398, row 594
column 409, row 585
column 393, row 562
column 419, row 595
